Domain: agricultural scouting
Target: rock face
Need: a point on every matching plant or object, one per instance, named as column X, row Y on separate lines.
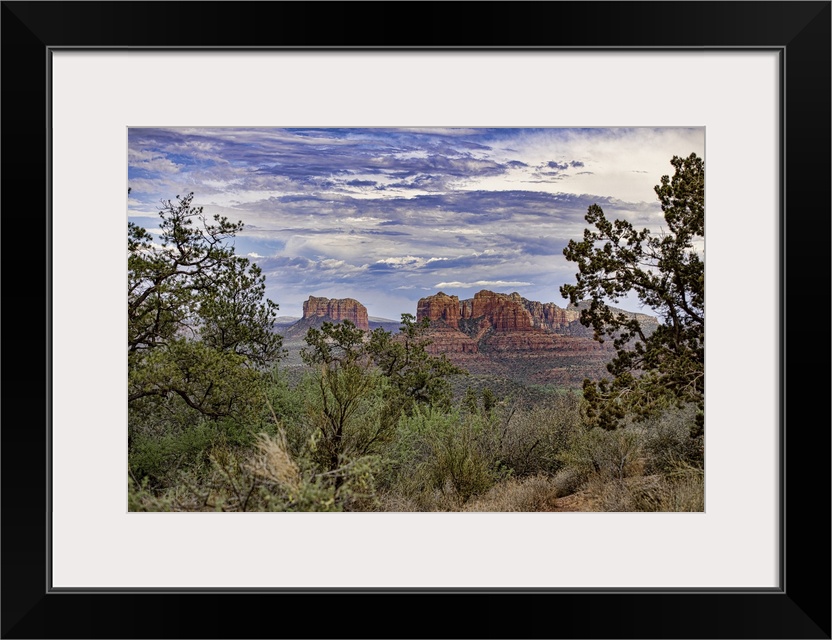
column 548, row 315
column 508, row 312
column 503, row 312
column 648, row 323
column 440, row 308
column 491, row 323
column 506, row 334
column 494, row 334
column 336, row 310
column 497, row 311
column 450, row 341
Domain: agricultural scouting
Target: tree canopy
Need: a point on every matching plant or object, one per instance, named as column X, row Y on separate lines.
column 419, row 377
column 199, row 324
column 353, row 366
column 665, row 271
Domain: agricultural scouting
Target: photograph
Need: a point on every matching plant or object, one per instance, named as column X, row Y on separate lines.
column 415, row 314
column 416, row 319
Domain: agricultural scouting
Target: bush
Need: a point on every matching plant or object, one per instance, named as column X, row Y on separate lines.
column 443, row 459
column 534, row 439
column 668, row 442
column 681, row 489
column 264, row 477
column 159, row 458
column 609, row 454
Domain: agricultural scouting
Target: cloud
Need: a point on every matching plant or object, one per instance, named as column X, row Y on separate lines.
column 378, row 210
column 151, row 161
column 399, row 261
column 559, row 166
column 481, row 283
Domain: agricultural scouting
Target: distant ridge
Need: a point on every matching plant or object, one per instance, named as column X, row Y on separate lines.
column 524, row 340
column 494, row 334
column 505, row 312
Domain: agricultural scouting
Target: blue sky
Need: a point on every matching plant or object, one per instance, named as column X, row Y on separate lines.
column 388, row 216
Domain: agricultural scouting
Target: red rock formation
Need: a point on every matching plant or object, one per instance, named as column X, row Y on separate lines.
column 439, row 307
column 508, row 335
column 450, row 341
column 337, row 310
column 548, row 315
column 503, row 312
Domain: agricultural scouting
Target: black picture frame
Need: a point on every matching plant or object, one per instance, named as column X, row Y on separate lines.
column 800, row 608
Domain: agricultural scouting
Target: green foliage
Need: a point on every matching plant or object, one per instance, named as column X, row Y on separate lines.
column 470, row 401
column 609, row 454
column 214, row 383
column 141, row 499
column 419, row 377
column 159, row 457
column 366, row 382
column 198, row 323
column 286, row 405
column 668, row 443
column 452, row 454
column 534, row 438
column 666, row 272
column 261, row 477
column 489, row 400
column 348, row 413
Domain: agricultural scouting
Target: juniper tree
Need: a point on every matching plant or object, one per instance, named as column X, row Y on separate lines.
column 199, row 326
column 665, row 270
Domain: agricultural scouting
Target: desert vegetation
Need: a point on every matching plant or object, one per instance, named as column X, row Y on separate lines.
column 376, row 420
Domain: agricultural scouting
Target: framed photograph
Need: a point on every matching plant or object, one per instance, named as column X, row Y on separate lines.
column 92, row 89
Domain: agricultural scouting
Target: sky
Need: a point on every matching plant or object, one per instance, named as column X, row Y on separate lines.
column 388, row 216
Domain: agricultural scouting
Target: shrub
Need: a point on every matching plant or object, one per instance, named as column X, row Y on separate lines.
column 451, row 454
column 533, row 439
column 533, row 493
column 159, row 458
column 609, row 454
column 668, row 441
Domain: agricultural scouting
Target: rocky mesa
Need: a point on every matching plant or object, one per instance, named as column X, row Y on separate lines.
column 506, row 334
column 489, row 312
column 500, row 312
column 439, row 309
column 316, row 311
column 502, row 334
column 337, row 310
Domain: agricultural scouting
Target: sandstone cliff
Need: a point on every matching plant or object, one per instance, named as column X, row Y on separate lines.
column 503, row 312
column 508, row 335
column 509, row 312
column 335, row 310
column 439, row 308
column 494, row 334
column 499, row 311
column 548, row 315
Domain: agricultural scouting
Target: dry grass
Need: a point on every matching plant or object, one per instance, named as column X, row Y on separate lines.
column 273, row 462
column 681, row 490
column 535, row 493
